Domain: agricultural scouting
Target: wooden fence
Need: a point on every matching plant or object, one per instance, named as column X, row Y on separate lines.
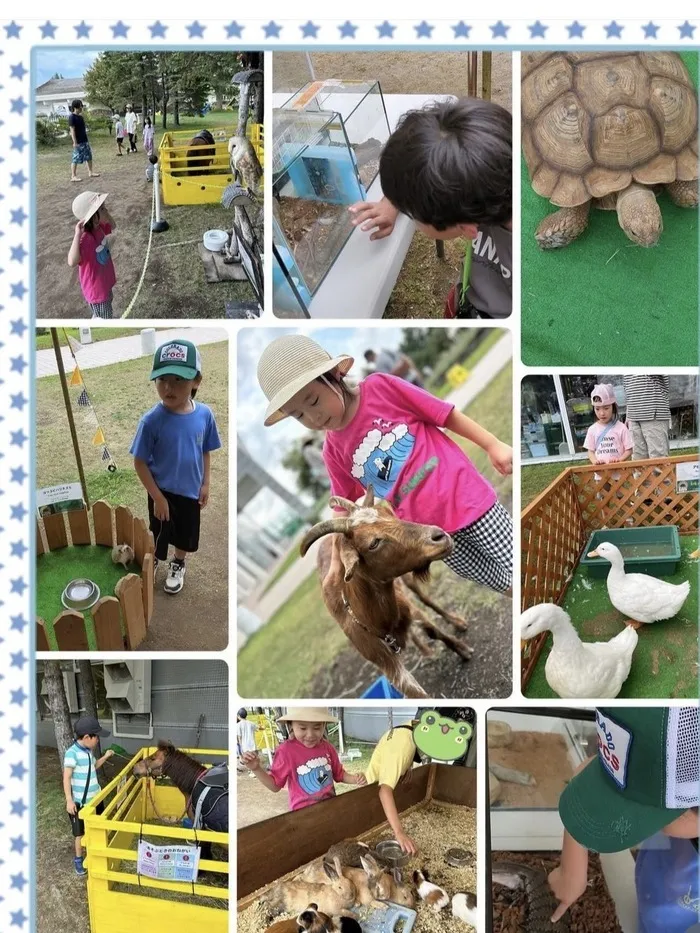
column 120, row 621
column 555, row 527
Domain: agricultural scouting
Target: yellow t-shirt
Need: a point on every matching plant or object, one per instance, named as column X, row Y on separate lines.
column 392, row 757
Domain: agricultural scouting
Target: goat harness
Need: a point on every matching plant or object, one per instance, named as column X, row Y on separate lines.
column 388, row 640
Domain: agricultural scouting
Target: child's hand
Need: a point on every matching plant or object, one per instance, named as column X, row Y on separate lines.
column 161, row 509
column 79, row 227
column 71, row 807
column 379, row 216
column 360, row 780
column 251, row 761
column 204, row 495
column 407, row 844
column 109, row 753
column 567, row 888
column 501, row 456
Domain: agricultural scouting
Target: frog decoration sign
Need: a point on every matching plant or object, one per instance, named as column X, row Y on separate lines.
column 440, row 737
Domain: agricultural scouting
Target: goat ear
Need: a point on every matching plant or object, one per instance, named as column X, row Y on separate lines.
column 369, row 496
column 349, row 557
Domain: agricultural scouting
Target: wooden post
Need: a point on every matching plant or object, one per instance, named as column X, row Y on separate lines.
column 147, row 586
column 125, row 525
column 39, row 542
column 42, row 643
column 440, row 249
column 55, row 528
column 108, row 630
column 79, row 527
column 102, row 522
column 128, row 592
column 486, row 61
column 69, row 412
column 69, row 629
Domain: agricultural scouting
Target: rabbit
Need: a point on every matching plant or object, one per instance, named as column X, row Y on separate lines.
column 433, row 895
column 401, row 892
column 122, row 554
column 372, row 883
column 312, row 921
column 464, row 908
column 349, row 851
column 332, row 897
column 284, row 926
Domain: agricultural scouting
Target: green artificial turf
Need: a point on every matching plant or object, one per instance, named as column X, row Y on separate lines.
column 57, row 568
column 602, row 301
column 664, row 665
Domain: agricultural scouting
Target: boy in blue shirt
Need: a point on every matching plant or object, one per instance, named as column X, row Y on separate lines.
column 80, row 784
column 171, row 456
column 641, row 789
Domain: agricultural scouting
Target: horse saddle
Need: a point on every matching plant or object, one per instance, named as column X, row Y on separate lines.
column 205, row 136
column 211, row 799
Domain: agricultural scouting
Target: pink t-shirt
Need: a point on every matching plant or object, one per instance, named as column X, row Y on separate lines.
column 613, row 445
column 308, row 773
column 395, row 443
column 96, row 269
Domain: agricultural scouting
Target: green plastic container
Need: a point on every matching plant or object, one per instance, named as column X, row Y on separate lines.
column 656, row 551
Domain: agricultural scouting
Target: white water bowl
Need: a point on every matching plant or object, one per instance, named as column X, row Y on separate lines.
column 215, row 240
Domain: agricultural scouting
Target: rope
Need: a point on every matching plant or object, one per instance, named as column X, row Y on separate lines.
column 145, row 262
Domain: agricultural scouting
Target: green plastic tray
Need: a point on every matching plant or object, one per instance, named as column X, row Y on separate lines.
column 656, row 551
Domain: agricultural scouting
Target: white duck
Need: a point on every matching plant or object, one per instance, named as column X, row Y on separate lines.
column 637, row 595
column 575, row 669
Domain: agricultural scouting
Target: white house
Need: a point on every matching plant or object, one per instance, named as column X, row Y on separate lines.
column 53, row 97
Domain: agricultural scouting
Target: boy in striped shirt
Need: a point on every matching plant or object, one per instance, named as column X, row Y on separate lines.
column 80, row 784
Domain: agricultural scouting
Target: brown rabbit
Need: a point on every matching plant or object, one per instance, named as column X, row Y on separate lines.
column 332, row 897
column 349, row 851
column 401, row 893
column 372, row 883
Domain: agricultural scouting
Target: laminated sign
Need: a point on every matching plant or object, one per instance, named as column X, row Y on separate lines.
column 687, row 476
column 168, row 863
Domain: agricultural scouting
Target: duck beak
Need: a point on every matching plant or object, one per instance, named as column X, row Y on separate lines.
column 593, row 554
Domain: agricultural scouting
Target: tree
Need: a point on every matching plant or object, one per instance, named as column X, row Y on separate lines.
column 89, row 696
column 425, row 345
column 58, row 706
column 294, row 461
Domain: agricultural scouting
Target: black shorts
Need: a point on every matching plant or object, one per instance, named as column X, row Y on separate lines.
column 76, row 824
column 182, row 531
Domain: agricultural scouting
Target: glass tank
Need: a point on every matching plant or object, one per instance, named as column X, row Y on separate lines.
column 327, row 142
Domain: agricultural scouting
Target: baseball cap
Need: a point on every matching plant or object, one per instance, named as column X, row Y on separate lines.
column 176, row 358
column 88, row 725
column 645, row 776
column 606, row 394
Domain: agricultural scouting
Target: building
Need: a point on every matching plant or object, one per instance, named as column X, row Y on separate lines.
column 53, row 97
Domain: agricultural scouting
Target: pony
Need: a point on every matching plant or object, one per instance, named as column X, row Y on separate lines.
column 200, row 153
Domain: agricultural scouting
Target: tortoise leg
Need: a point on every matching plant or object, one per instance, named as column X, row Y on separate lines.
column 563, row 226
column 639, row 215
column 683, row 193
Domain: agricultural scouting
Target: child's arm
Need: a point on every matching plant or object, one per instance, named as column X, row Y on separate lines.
column 626, row 455
column 161, row 509
column 379, row 216
column 204, row 491
column 500, row 454
column 252, row 763
column 100, row 761
column 569, row 880
column 348, row 778
column 592, row 457
column 71, row 805
column 386, row 798
column 74, row 251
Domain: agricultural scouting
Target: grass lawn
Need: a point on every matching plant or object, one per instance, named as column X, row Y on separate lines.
column 665, row 662
column 494, row 335
column 44, row 342
column 281, row 659
column 290, row 558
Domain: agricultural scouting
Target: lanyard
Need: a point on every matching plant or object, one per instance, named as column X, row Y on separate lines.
column 602, row 436
column 466, row 271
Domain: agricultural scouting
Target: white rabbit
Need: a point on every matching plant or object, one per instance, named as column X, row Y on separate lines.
column 431, row 893
column 122, row 554
column 464, row 908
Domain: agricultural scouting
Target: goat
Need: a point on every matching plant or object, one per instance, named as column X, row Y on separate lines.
column 362, row 568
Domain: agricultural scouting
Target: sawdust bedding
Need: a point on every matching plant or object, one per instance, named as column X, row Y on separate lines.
column 434, row 829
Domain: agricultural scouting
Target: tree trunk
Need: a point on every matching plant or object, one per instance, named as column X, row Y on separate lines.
column 164, row 85
column 243, row 105
column 258, row 101
column 176, row 109
column 89, row 698
column 58, row 705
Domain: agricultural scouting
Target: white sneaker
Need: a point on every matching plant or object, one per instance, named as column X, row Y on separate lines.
column 176, row 577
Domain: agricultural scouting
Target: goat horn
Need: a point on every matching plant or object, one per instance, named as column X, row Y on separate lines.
column 337, row 502
column 331, row 526
column 369, row 496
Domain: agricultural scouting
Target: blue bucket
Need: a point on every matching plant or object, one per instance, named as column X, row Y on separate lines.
column 381, row 689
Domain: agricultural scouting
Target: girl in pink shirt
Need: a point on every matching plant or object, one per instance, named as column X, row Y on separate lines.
column 387, row 433
column 608, row 440
column 306, row 764
column 89, row 251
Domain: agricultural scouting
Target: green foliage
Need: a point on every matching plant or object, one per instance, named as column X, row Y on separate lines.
column 46, row 132
column 294, row 461
column 425, row 345
column 97, row 122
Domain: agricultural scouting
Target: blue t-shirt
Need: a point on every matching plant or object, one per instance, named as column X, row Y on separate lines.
column 82, row 761
column 173, row 447
column 666, row 876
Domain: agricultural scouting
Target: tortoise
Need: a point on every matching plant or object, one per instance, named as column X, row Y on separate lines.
column 611, row 129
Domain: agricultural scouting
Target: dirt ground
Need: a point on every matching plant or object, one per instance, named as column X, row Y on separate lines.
column 542, row 755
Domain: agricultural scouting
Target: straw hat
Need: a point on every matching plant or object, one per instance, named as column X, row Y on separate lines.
column 307, row 714
column 290, row 363
column 86, row 203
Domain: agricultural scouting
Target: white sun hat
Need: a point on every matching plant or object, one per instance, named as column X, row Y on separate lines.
column 290, row 363
column 86, row 203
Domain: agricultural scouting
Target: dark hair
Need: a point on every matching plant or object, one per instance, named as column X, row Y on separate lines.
column 369, row 354
column 597, row 400
column 451, row 163
column 147, row 121
column 86, row 735
column 339, row 381
column 89, row 224
column 74, row 104
column 153, row 159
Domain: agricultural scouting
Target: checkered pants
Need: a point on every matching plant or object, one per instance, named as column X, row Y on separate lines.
column 102, row 309
column 484, row 550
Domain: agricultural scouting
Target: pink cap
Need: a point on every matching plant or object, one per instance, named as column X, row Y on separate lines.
column 606, row 394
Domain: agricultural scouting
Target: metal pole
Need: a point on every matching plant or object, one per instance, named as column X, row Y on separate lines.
column 69, row 413
column 311, row 67
column 159, row 225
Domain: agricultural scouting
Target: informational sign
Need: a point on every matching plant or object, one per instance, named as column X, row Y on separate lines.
column 63, row 498
column 168, row 863
column 688, row 477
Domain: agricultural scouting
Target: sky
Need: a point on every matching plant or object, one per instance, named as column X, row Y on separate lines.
column 71, row 63
column 268, row 446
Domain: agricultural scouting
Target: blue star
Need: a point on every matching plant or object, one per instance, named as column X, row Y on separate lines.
column 48, row 30
column 18, row 733
column 18, row 106
column 424, row 30
column 120, row 30
column 18, row 179
column 18, row 142
column 347, row 30
column 18, row 881
column 158, row 30
column 537, row 30
column 233, row 30
column 18, row 475
column 461, row 30
column 19, row 216
column 686, row 30
column 18, row 844
column 18, row 697
column 19, row 918
column 18, row 586
column 309, row 30
column 576, row 30
column 385, row 30
column 18, row 512
column 18, row 253
column 19, row 438
column 499, row 30
column 18, row 364
column 18, row 771
column 18, row 327
column 17, row 71
column 19, row 623
column 82, row 30
column 272, row 30
column 195, row 30
column 613, row 30
column 650, row 30
column 13, row 30
column 18, row 290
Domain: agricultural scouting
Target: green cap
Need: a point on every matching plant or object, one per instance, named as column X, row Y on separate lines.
column 645, row 777
column 177, row 358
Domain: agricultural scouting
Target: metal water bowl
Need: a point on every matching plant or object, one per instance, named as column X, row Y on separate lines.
column 80, row 594
column 458, row 858
column 390, row 852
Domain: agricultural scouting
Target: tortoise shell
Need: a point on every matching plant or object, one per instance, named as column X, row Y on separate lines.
column 594, row 122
